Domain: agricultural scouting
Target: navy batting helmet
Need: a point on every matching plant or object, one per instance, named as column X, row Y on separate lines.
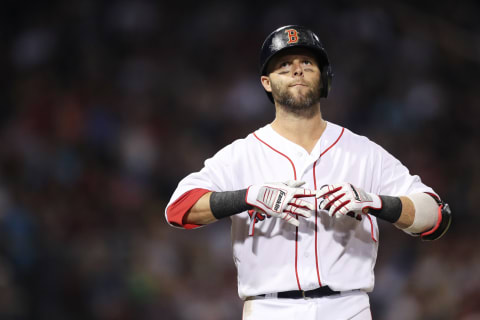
column 296, row 36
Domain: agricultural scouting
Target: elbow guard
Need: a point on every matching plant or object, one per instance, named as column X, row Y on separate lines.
column 432, row 217
column 442, row 225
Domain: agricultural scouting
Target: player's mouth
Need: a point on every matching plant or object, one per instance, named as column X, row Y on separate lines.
column 298, row 84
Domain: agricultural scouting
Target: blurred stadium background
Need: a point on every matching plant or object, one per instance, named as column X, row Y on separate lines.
column 106, row 105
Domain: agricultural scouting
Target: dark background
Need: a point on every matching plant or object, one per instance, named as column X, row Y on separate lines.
column 106, row 105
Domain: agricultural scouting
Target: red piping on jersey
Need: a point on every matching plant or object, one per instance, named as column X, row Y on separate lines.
column 296, row 232
column 316, row 218
column 316, row 205
column 341, row 134
column 291, row 162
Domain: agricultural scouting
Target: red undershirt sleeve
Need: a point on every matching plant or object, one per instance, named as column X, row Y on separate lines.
column 177, row 210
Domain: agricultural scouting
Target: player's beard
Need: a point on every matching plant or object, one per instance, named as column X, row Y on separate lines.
column 304, row 105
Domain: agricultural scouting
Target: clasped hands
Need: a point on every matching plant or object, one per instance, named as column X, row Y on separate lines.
column 285, row 200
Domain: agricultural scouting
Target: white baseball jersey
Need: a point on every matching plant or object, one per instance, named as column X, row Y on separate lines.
column 322, row 251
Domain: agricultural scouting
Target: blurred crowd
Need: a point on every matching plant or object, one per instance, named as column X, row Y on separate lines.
column 106, row 105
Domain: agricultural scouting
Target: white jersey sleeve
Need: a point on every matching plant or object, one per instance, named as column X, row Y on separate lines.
column 396, row 180
column 216, row 175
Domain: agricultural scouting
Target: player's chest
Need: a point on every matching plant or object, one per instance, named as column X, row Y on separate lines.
column 315, row 172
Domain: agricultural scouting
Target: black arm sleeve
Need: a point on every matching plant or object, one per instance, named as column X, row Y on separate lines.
column 227, row 203
column 391, row 209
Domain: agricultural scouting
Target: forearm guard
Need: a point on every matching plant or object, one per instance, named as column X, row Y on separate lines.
column 227, row 203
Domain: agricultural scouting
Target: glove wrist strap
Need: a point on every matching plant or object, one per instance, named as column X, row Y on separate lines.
column 390, row 210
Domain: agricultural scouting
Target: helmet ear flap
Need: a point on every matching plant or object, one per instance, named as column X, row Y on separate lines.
column 270, row 97
column 327, row 76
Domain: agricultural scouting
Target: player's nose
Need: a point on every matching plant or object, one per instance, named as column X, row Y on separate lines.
column 297, row 68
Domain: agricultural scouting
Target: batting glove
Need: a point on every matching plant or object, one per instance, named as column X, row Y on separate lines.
column 257, row 216
column 345, row 199
column 281, row 200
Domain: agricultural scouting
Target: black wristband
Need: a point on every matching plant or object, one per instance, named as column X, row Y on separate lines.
column 227, row 203
column 391, row 209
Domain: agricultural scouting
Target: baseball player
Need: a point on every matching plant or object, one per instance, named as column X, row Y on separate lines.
column 303, row 195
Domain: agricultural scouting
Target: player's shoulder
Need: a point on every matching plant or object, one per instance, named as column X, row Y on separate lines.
column 250, row 140
column 346, row 133
column 236, row 148
column 353, row 139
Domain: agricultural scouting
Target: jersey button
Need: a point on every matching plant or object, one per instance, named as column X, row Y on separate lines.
column 306, row 255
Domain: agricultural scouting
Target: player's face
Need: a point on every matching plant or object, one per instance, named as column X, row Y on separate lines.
column 295, row 79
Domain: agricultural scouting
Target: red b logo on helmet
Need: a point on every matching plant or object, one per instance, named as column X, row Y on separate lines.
column 292, row 35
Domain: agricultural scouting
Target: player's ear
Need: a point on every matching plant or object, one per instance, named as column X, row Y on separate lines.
column 266, row 83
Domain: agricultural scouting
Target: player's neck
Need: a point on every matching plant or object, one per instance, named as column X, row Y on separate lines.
column 304, row 131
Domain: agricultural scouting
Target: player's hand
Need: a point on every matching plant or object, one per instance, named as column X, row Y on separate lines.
column 346, row 199
column 281, row 200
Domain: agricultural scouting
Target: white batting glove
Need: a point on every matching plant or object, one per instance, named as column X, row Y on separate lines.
column 345, row 199
column 281, row 200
